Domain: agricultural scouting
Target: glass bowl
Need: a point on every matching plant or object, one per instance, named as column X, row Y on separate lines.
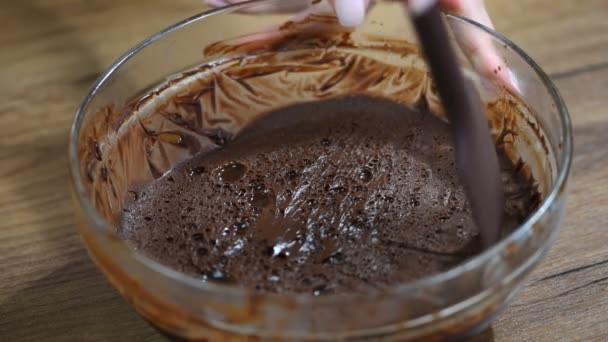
column 455, row 303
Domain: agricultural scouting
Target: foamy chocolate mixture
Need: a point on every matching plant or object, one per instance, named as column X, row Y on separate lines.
column 338, row 195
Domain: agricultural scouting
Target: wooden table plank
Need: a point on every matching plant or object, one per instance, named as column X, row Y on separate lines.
column 561, row 35
column 52, row 51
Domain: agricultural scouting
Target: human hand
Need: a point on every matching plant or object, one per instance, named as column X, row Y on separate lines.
column 476, row 45
column 352, row 12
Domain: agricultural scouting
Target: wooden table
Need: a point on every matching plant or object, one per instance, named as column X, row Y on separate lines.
column 51, row 52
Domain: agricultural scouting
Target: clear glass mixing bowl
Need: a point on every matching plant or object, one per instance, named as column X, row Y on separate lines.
column 458, row 302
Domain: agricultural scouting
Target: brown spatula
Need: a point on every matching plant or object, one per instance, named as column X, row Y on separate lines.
column 475, row 152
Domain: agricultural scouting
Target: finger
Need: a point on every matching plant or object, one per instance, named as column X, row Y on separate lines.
column 351, row 13
column 477, row 45
column 275, row 33
column 474, row 9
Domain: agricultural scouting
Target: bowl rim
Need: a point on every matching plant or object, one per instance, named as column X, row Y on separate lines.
column 100, row 224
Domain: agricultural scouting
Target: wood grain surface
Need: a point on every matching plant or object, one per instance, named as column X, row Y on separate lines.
column 52, row 51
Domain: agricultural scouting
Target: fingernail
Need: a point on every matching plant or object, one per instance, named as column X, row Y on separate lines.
column 215, row 3
column 350, row 12
column 514, row 81
column 418, row 7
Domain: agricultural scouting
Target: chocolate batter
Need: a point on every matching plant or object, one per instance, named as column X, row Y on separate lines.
column 339, row 195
